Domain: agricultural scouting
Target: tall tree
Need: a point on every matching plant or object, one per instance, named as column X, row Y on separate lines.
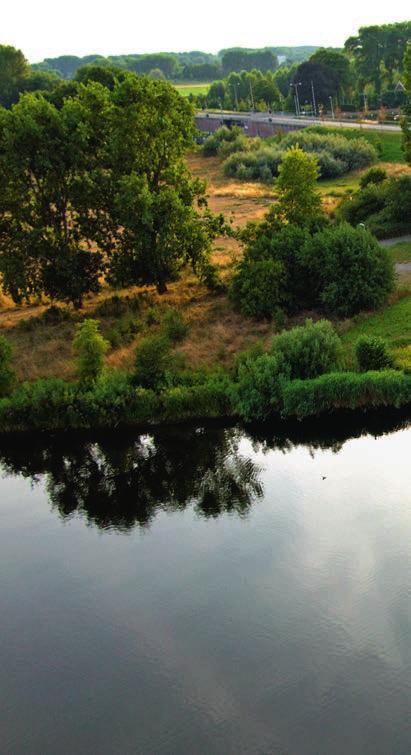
column 48, row 157
column 158, row 213
column 14, row 70
column 96, row 183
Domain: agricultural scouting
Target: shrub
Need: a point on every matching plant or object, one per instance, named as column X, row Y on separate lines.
column 358, row 207
column 7, row 374
column 151, row 316
column 258, row 392
column 345, row 390
column 262, row 164
column 239, row 144
column 330, row 166
column 347, row 270
column 223, row 135
column 174, row 326
column 354, row 153
column 209, row 399
column 308, row 350
column 384, row 207
column 373, row 176
column 371, row 353
column 257, row 288
column 90, row 347
column 152, row 360
column 117, row 306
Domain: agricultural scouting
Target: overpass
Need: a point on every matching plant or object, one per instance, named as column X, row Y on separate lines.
column 269, row 124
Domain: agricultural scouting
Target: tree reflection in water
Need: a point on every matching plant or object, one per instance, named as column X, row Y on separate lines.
column 122, row 479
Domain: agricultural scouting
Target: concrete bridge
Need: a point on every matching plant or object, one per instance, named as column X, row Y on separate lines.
column 269, row 124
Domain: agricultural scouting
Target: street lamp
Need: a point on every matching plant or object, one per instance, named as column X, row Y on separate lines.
column 332, row 108
column 297, row 99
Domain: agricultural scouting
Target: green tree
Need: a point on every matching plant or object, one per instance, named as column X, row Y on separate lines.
column 93, row 181
column 14, row 70
column 48, row 158
column 90, row 347
column 298, row 201
column 158, row 212
column 346, row 270
column 337, row 62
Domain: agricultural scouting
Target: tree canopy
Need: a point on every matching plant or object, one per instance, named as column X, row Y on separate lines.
column 95, row 184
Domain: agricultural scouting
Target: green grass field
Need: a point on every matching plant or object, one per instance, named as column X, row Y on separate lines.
column 187, row 89
column 393, row 324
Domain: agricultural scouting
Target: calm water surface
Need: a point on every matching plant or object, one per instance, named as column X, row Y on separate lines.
column 207, row 590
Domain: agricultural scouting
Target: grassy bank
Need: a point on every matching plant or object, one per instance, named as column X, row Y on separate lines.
column 113, row 401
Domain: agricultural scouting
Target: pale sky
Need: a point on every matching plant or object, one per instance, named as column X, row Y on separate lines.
column 46, row 28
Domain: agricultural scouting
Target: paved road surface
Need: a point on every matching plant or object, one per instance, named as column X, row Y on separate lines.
column 289, row 119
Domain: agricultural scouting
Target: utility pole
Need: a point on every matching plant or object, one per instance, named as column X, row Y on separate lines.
column 297, row 99
column 314, row 103
column 332, row 108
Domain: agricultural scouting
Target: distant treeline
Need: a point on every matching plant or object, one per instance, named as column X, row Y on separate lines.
column 367, row 74
column 188, row 66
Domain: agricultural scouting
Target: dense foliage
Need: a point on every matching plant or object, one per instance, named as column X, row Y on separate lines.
column 91, row 348
column 96, row 184
column 372, row 354
column 340, row 270
column 384, row 207
column 335, row 155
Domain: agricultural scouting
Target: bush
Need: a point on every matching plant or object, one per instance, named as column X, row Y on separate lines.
column 90, row 347
column 330, row 166
column 373, row 176
column 257, row 288
column 384, row 207
column 262, row 164
column 223, row 136
column 209, row 399
column 371, row 353
column 117, row 306
column 345, row 390
column 44, row 404
column 358, row 208
column 7, row 374
column 239, row 144
column 258, row 392
column 308, row 350
column 152, row 360
column 175, row 329
column 347, row 270
column 354, row 153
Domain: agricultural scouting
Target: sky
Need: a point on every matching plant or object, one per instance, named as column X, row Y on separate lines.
column 47, row 28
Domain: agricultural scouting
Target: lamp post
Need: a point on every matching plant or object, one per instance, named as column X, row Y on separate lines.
column 314, row 102
column 332, row 108
column 297, row 99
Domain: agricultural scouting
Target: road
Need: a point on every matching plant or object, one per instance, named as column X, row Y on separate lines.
column 291, row 120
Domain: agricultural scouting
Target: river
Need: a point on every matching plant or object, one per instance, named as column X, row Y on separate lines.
column 207, row 590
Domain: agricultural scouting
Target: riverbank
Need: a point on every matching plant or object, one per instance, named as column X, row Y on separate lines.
column 113, row 401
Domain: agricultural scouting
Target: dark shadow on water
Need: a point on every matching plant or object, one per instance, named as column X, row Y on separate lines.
column 120, row 480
